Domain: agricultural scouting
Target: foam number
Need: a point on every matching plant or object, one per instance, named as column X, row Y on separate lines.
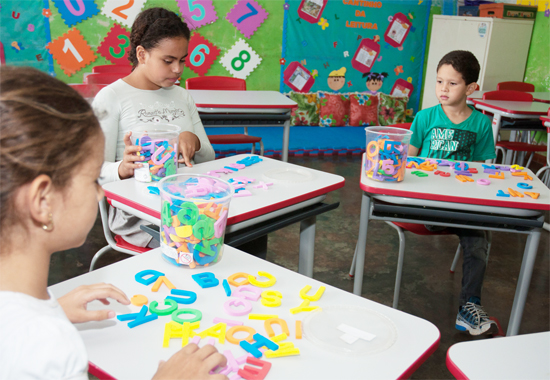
column 202, row 12
column 240, row 60
column 122, row 11
column 202, row 53
column 247, row 16
column 71, row 52
column 74, row 11
column 125, row 43
column 188, row 214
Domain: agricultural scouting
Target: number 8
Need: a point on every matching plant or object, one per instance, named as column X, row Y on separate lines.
column 240, row 58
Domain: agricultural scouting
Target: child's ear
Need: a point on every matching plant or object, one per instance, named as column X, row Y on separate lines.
column 471, row 88
column 140, row 54
column 40, row 199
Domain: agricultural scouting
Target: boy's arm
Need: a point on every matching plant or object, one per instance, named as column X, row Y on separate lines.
column 413, row 151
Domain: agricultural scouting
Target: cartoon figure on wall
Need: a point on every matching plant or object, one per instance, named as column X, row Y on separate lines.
column 374, row 81
column 337, row 79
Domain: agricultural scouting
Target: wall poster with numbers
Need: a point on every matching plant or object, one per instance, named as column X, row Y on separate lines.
column 374, row 46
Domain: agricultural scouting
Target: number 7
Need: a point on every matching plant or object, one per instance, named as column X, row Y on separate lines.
column 253, row 12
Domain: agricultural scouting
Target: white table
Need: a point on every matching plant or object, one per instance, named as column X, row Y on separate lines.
column 445, row 201
column 515, row 357
column 539, row 96
column 260, row 109
column 126, row 353
column 308, row 187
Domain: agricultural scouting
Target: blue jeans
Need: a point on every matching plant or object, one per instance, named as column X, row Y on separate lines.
column 474, row 248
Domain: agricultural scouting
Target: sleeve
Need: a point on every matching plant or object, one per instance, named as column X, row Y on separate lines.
column 107, row 110
column 206, row 152
column 417, row 129
column 485, row 146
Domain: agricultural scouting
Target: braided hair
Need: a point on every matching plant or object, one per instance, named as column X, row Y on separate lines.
column 153, row 25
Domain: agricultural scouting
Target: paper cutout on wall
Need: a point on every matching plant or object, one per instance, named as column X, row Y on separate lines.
column 398, row 29
column 240, row 60
column 71, row 52
column 311, row 10
column 365, row 55
column 401, row 88
column 202, row 53
column 124, row 11
column 297, row 77
column 197, row 12
column 116, row 45
column 247, row 16
column 74, row 11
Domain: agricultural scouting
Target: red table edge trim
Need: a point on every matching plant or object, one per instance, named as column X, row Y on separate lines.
column 454, row 199
column 407, row 374
column 98, row 372
column 266, row 106
column 239, row 218
column 480, row 102
column 455, row 371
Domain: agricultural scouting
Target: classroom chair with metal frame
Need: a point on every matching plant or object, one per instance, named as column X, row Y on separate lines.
column 103, row 78
column 515, row 147
column 225, row 84
column 127, row 69
column 418, row 229
column 516, row 86
column 117, row 243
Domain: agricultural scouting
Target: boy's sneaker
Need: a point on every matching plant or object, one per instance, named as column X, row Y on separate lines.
column 472, row 318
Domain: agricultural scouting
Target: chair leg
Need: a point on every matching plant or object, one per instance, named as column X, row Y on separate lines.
column 455, row 260
column 352, row 269
column 99, row 253
column 261, row 148
column 253, row 148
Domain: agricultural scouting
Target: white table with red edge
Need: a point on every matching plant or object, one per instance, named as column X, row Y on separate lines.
column 445, row 201
column 304, row 187
column 125, row 353
column 247, row 109
column 546, row 121
column 510, row 109
column 513, row 357
column 539, row 96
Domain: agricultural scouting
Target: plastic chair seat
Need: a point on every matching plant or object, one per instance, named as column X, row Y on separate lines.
column 121, row 243
column 419, row 229
column 519, row 146
column 238, row 139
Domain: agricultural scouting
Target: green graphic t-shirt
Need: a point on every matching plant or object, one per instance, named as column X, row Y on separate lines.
column 438, row 137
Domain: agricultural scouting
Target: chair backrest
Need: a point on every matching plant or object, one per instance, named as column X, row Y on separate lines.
column 216, row 83
column 401, row 125
column 87, row 90
column 516, row 96
column 516, row 86
column 112, row 69
column 103, row 78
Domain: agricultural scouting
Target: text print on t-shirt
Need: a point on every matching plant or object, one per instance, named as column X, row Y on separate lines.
column 451, row 143
column 157, row 113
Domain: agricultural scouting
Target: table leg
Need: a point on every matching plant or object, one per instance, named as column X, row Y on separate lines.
column 286, row 138
column 307, row 246
column 361, row 244
column 524, row 279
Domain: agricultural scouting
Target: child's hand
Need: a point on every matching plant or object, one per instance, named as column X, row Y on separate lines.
column 188, row 144
column 192, row 362
column 75, row 302
column 127, row 166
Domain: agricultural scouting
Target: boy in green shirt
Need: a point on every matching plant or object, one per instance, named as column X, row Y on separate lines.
column 454, row 130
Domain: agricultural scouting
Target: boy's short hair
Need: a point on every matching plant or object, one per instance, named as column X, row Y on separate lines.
column 464, row 62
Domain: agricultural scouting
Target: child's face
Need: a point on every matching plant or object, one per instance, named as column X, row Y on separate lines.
column 164, row 64
column 374, row 84
column 450, row 88
column 336, row 83
column 77, row 211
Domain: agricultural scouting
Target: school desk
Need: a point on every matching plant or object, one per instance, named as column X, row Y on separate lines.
column 246, row 109
column 542, row 97
column 296, row 195
column 446, row 201
column 514, row 357
column 401, row 344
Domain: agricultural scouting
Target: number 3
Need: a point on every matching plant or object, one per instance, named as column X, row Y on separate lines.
column 122, row 46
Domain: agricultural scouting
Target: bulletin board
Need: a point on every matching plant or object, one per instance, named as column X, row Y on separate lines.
column 324, row 39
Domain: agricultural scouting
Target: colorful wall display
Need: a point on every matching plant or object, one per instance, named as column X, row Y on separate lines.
column 355, row 45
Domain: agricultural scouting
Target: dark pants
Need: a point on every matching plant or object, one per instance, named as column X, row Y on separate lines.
column 474, row 249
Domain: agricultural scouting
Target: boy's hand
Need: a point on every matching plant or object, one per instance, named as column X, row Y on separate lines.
column 193, row 363
column 128, row 164
column 413, row 151
column 75, row 302
column 188, row 144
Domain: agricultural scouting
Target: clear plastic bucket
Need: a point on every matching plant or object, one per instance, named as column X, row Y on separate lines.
column 386, row 155
column 159, row 145
column 194, row 210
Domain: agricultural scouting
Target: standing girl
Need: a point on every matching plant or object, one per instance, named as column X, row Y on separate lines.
column 158, row 49
column 51, row 153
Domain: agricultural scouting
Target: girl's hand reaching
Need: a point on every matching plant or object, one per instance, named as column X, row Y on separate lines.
column 188, row 144
column 128, row 164
column 193, row 363
column 75, row 302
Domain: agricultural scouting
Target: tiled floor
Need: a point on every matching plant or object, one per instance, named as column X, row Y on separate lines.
column 428, row 289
